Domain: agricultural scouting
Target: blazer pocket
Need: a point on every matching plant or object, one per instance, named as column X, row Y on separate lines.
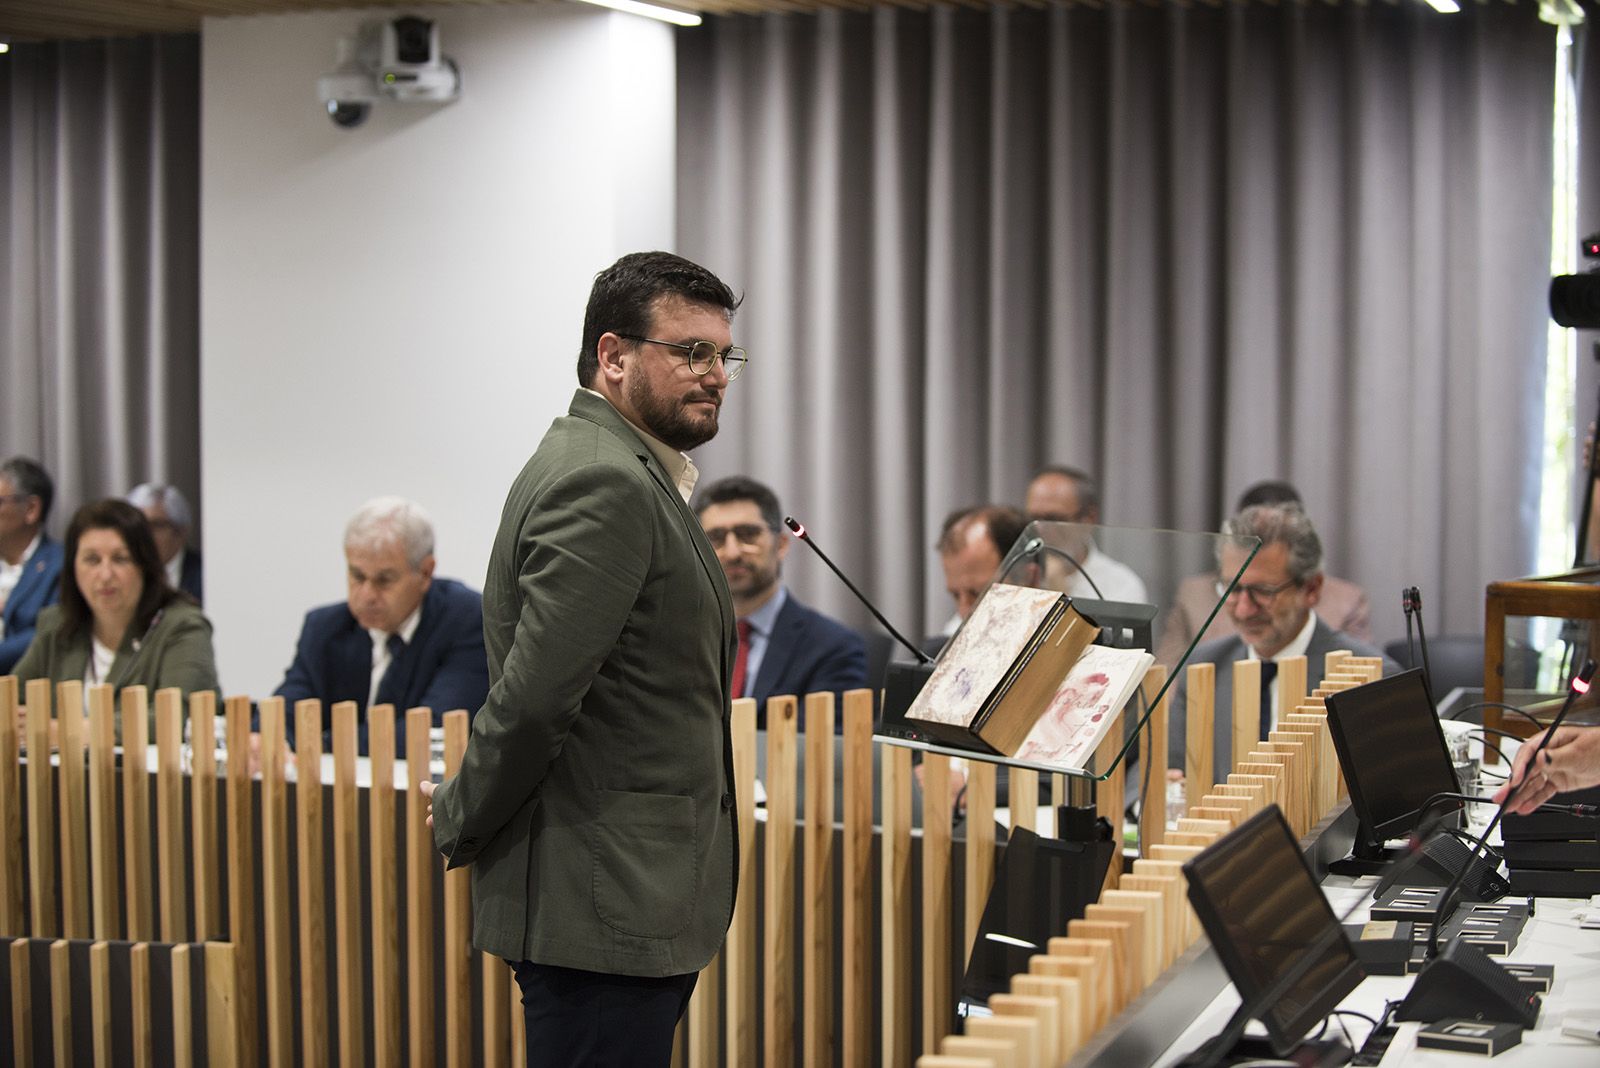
column 645, row 863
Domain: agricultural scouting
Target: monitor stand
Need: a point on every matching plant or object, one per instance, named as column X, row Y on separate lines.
column 1367, row 858
column 1253, row 1049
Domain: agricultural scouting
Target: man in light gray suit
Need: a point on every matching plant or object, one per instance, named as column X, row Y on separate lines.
column 1273, row 609
column 595, row 800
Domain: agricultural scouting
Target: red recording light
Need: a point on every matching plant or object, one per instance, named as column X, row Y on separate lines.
column 1580, row 685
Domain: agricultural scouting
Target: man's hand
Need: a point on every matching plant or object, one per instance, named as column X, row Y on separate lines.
column 1571, row 762
column 427, row 786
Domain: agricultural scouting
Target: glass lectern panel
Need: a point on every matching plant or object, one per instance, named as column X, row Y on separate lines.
column 1152, row 590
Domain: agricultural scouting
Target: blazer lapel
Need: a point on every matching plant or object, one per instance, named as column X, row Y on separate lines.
column 352, row 667
column 780, row 648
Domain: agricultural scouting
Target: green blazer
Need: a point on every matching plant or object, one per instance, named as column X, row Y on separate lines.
column 174, row 651
column 595, row 800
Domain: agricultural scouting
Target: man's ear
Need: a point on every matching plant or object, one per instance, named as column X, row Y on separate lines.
column 426, row 567
column 612, row 352
column 1313, row 589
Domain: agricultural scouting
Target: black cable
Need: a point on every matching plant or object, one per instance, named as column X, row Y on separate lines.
column 1487, row 744
column 1524, row 713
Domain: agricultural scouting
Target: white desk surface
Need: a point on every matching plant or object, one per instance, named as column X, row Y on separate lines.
column 1552, row 936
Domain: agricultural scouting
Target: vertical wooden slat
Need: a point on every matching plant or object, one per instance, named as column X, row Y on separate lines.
column 21, row 1004
column 100, row 1005
column 223, row 995
column 739, row 951
column 241, row 881
column 780, row 896
column 1247, row 710
column 106, row 872
column 1199, row 741
column 1023, row 800
column 856, row 970
column 422, row 866
column 61, row 1003
column 348, row 964
column 138, row 881
column 704, row 1044
column 41, row 814
column 1153, row 790
column 1109, row 794
column 496, row 1021
column 74, row 815
column 980, row 849
column 275, row 884
column 384, row 880
column 457, row 923
column 12, row 919
column 183, row 1023
column 203, row 814
column 1291, row 683
column 139, row 1002
column 169, row 816
column 817, row 959
column 938, row 1008
column 313, row 898
column 519, row 1026
column 895, row 906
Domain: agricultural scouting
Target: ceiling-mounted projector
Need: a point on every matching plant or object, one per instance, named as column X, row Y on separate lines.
column 397, row 58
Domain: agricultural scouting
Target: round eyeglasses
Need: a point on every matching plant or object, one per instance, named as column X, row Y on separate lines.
column 701, row 354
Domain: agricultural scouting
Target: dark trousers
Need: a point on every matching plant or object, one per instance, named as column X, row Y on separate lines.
column 595, row 1019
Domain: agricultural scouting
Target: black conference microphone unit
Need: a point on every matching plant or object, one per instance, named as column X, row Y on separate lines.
column 800, row 532
column 1463, row 981
column 1411, row 605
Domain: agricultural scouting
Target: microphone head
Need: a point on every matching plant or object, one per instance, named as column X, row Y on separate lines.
column 794, row 525
column 1585, row 674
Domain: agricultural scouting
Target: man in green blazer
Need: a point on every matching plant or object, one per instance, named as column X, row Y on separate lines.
column 595, row 800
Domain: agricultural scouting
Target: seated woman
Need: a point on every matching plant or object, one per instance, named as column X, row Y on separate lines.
column 119, row 621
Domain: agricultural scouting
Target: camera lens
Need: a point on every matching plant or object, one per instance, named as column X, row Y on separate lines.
column 347, row 113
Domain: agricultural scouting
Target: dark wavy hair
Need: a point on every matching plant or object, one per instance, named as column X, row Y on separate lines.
column 623, row 300
column 130, row 524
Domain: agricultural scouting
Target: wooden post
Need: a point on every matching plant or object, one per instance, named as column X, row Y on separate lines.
column 313, row 898
column 106, row 872
column 61, row 1002
column 41, row 814
column 169, row 816
column 817, row 959
column 74, row 815
column 1046, row 1012
column 1023, row 801
column 1153, row 790
column 780, row 903
column 1126, row 949
column 980, row 849
column 21, row 1001
column 422, row 864
column 348, row 964
column 1100, row 955
column 183, row 1026
column 12, row 919
column 1199, row 740
column 203, row 814
column 1109, row 796
column 1248, row 710
column 1171, row 911
column 938, row 1006
column 1024, row 1031
column 1291, row 683
column 241, row 881
column 856, row 972
column 739, row 951
column 1143, row 945
column 383, row 879
column 457, row 922
column 223, row 1042
column 704, row 1046
column 895, row 908
column 496, row 979
column 1070, row 1004
column 275, row 885
column 100, row 1003
column 140, row 1004
column 140, row 886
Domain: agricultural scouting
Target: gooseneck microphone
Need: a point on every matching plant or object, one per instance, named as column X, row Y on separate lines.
column 800, row 532
column 1579, row 685
column 1036, row 546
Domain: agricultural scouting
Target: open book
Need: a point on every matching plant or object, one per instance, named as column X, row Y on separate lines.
column 1088, row 701
column 1000, row 672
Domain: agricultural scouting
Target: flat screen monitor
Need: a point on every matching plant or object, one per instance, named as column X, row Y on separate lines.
column 1263, row 913
column 1392, row 751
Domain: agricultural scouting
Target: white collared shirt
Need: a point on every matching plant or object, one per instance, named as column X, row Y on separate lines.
column 380, row 650
column 761, row 621
column 175, row 569
column 1296, row 647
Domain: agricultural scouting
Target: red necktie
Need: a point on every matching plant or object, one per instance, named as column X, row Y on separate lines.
column 743, row 627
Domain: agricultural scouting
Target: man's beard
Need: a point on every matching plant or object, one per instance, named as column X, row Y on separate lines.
column 670, row 421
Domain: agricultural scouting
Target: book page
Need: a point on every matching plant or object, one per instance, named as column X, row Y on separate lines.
column 1086, row 704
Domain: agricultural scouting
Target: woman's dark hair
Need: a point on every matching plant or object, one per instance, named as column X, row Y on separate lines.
column 130, row 524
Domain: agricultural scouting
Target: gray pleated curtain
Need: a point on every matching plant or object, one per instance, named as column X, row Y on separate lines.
column 100, row 263
column 1185, row 246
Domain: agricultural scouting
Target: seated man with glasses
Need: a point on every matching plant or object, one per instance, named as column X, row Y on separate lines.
column 1273, row 610
column 784, row 647
column 1063, row 494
